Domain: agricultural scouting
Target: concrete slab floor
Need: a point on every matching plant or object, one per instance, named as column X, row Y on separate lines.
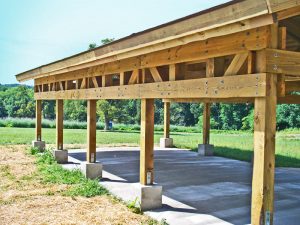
column 198, row 190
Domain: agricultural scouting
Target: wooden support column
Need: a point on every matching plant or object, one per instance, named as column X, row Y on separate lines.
column 210, row 70
column 59, row 124
column 206, row 123
column 91, row 131
column 166, row 119
column 264, row 156
column 147, row 142
column 38, row 120
column 264, row 146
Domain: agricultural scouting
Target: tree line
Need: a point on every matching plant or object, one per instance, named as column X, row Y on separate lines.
column 18, row 102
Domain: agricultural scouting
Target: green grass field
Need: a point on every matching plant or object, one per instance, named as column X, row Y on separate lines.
column 230, row 144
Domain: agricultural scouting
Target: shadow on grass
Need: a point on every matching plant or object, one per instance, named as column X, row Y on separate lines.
column 246, row 155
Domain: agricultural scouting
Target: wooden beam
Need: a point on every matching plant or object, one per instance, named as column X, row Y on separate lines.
column 217, row 87
column 283, row 62
column 264, row 156
column 210, row 100
column 122, row 78
column 134, row 77
column 227, row 45
column 91, row 131
column 172, row 72
column 281, row 78
column 166, row 119
column 292, row 86
column 236, row 64
column 59, row 124
column 280, row 5
column 291, row 12
column 155, row 74
column 83, row 83
column 95, row 82
column 38, row 120
column 147, row 142
column 289, row 99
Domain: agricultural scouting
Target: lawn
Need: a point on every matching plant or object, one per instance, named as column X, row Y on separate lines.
column 232, row 144
column 36, row 190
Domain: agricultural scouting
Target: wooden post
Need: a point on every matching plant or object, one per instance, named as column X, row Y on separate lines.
column 264, row 145
column 38, row 120
column 206, row 123
column 264, row 156
column 210, row 70
column 166, row 119
column 91, row 131
column 147, row 142
column 59, row 124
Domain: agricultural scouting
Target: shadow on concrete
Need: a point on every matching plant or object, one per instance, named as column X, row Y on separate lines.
column 211, row 185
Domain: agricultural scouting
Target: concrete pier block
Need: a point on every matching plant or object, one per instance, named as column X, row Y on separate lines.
column 40, row 145
column 205, row 150
column 149, row 196
column 61, row 156
column 92, row 170
column 166, row 142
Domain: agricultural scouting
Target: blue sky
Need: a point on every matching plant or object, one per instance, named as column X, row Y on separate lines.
column 37, row 32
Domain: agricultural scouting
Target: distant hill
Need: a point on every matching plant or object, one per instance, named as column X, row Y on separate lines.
column 14, row 85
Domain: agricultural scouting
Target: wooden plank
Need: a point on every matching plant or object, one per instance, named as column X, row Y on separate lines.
column 264, row 156
column 217, row 87
column 279, row 5
column 91, row 131
column 59, row 124
column 283, row 62
column 147, row 142
column 38, row 120
column 236, row 64
column 166, row 119
column 155, row 74
column 202, row 50
column 291, row 12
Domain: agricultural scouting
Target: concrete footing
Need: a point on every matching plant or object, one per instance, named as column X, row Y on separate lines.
column 61, row 156
column 92, row 170
column 149, row 196
column 40, row 145
column 166, row 142
column 205, row 150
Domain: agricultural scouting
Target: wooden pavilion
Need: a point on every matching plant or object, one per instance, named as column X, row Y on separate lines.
column 238, row 52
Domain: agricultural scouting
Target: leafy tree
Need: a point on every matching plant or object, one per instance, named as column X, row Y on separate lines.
column 75, row 110
column 92, row 46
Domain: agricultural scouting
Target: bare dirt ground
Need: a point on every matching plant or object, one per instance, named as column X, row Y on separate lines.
column 24, row 199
